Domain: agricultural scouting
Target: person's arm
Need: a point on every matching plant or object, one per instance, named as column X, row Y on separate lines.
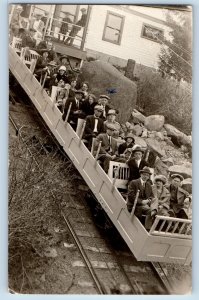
column 132, row 190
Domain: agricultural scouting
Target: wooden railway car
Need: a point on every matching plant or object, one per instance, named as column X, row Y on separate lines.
column 171, row 246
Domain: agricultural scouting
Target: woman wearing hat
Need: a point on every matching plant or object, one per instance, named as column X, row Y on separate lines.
column 180, row 199
column 129, row 143
column 136, row 163
column 161, row 193
column 47, row 44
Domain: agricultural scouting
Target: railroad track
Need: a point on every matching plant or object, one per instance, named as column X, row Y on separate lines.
column 109, row 271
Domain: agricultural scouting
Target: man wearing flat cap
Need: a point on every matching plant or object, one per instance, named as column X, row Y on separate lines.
column 76, row 109
column 94, row 125
column 145, row 203
column 103, row 101
column 136, row 162
column 108, row 150
column 180, row 199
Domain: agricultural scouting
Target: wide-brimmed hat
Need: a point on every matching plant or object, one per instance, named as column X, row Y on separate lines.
column 79, row 92
column 63, row 56
column 160, row 178
column 146, row 170
column 178, row 176
column 129, row 135
column 62, row 68
column 48, row 35
column 99, row 108
column 110, row 126
column 137, row 148
column 111, row 112
column 41, row 51
column 104, row 96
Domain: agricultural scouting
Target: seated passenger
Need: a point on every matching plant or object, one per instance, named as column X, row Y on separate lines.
column 111, row 119
column 28, row 40
column 180, row 199
column 47, row 44
column 85, row 89
column 61, row 74
column 136, row 162
column 89, row 105
column 145, row 201
column 42, row 64
column 108, row 150
column 61, row 99
column 129, row 143
column 161, row 203
column 103, row 100
column 76, row 109
column 94, row 125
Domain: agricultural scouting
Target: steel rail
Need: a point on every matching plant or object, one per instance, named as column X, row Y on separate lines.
column 165, row 283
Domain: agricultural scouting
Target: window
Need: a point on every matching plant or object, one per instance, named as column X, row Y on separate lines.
column 113, row 28
column 152, row 33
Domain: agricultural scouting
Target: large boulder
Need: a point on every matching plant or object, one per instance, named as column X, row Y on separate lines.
column 155, row 146
column 140, row 141
column 185, row 170
column 137, row 117
column 178, row 137
column 154, row 122
column 137, row 130
column 103, row 78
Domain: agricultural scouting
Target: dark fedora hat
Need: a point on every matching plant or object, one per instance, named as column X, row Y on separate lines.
column 146, row 170
column 137, row 148
column 79, row 92
column 63, row 56
column 129, row 135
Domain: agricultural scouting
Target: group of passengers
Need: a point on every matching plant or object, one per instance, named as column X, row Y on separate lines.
column 106, row 137
column 20, row 26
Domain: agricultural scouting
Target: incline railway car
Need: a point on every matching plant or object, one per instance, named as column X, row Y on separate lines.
column 161, row 243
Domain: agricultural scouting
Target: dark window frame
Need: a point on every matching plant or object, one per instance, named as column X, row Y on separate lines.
column 152, row 27
column 106, row 25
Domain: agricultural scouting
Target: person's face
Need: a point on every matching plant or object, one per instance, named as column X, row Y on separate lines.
column 129, row 140
column 85, row 87
column 176, row 182
column 137, row 155
column 73, row 83
column 78, row 96
column 110, row 131
column 145, row 176
column 61, row 72
column 61, row 83
column 103, row 101
column 97, row 113
column 90, row 99
column 159, row 183
column 111, row 118
column 45, row 54
column 64, row 61
column 32, row 33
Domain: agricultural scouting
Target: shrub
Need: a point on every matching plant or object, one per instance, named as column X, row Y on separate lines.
column 173, row 99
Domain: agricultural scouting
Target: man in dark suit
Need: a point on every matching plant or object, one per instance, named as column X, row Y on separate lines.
column 47, row 44
column 136, row 163
column 76, row 109
column 108, row 150
column 146, row 203
column 94, row 125
column 103, row 101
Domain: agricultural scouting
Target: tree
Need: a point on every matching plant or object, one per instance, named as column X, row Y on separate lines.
column 175, row 58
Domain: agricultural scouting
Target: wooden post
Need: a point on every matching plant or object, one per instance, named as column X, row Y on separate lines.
column 68, row 112
column 115, row 178
column 98, row 150
column 82, row 131
column 130, row 69
column 135, row 203
column 45, row 76
column 93, row 143
column 86, row 27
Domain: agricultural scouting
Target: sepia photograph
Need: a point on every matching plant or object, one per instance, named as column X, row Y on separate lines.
column 100, row 149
